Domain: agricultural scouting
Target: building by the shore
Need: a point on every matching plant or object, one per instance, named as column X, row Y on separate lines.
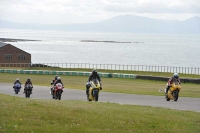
column 11, row 56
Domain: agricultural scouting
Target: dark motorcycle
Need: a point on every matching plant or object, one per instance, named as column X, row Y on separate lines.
column 28, row 90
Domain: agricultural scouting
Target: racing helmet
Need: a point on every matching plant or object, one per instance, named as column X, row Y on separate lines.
column 17, row 79
column 29, row 79
column 94, row 72
column 59, row 79
column 176, row 75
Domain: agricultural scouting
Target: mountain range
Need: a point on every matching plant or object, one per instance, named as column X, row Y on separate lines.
column 123, row 23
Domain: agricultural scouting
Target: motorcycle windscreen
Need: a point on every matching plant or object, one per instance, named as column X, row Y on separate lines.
column 95, row 81
column 59, row 84
column 29, row 86
column 17, row 85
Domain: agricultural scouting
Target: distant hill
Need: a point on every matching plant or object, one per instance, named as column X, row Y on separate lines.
column 124, row 23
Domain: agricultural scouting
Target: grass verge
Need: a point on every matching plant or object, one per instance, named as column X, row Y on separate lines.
column 117, row 85
column 18, row 115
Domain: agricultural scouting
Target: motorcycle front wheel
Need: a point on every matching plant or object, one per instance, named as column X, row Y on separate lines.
column 16, row 91
column 96, row 96
column 59, row 95
column 175, row 94
column 28, row 93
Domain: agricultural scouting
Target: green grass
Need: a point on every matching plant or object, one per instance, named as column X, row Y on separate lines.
column 164, row 74
column 117, row 85
column 18, row 115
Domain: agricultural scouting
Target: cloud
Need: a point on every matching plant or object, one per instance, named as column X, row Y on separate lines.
column 85, row 11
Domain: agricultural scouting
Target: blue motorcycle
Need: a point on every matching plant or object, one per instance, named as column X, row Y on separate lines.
column 17, row 88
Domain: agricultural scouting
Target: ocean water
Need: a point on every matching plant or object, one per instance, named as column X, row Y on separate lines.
column 145, row 49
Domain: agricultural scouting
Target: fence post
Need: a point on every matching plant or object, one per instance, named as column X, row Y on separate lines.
column 191, row 69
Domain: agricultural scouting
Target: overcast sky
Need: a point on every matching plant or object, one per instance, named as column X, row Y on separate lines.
column 87, row 11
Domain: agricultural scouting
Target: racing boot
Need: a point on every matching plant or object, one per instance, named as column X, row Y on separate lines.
column 87, row 90
column 167, row 89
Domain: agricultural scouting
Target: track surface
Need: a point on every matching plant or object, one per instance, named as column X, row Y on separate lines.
column 42, row 92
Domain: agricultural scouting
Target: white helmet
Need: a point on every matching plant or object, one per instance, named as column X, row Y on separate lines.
column 176, row 75
column 58, row 78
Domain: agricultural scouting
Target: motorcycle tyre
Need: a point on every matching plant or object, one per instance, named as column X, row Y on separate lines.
column 16, row 91
column 27, row 93
column 59, row 95
column 176, row 96
column 96, row 96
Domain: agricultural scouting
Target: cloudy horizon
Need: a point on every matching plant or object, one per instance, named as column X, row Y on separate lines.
column 88, row 11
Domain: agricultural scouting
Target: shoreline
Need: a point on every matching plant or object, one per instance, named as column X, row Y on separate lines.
column 15, row 40
column 108, row 41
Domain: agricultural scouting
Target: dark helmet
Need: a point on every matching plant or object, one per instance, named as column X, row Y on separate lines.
column 176, row 75
column 94, row 72
column 28, row 79
column 56, row 77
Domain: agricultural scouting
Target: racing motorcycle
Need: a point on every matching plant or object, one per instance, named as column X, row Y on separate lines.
column 58, row 90
column 93, row 93
column 173, row 92
column 17, row 88
column 28, row 89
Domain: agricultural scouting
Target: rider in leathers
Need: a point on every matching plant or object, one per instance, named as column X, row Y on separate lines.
column 17, row 81
column 52, row 83
column 94, row 75
column 28, row 82
column 172, row 80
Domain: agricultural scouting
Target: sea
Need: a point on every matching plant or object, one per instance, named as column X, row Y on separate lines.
column 178, row 50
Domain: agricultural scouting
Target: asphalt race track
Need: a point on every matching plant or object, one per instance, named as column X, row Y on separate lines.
column 42, row 92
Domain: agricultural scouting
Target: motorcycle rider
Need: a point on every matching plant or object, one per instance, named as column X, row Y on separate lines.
column 57, row 81
column 175, row 77
column 94, row 75
column 17, row 81
column 28, row 81
column 52, row 83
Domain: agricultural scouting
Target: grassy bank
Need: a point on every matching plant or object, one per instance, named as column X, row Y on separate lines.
column 18, row 115
column 117, row 85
